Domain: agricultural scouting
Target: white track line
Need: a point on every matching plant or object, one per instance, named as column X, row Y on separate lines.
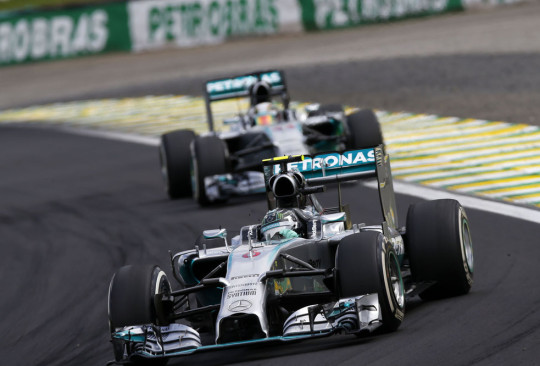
column 113, row 135
column 499, row 208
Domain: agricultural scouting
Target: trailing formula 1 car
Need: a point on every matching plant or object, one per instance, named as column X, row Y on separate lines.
column 214, row 166
column 303, row 272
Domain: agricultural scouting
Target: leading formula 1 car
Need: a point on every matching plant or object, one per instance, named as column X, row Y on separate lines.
column 305, row 271
column 215, row 166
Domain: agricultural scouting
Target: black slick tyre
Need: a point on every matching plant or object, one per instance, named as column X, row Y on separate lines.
column 364, row 130
column 175, row 157
column 133, row 301
column 439, row 247
column 209, row 157
column 367, row 263
column 132, row 296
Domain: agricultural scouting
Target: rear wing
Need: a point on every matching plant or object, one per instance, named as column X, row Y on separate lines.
column 239, row 86
column 342, row 167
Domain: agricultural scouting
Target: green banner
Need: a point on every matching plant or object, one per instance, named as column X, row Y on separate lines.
column 62, row 34
column 332, row 14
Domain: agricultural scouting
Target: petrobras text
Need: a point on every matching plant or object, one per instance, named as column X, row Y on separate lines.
column 331, row 161
column 241, row 83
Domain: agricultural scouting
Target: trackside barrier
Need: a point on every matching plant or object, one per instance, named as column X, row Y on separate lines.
column 48, row 35
column 332, row 14
column 155, row 24
column 467, row 4
column 183, row 23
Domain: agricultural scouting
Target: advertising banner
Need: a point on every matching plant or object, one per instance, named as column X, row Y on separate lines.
column 157, row 23
column 480, row 3
column 61, row 34
column 332, row 14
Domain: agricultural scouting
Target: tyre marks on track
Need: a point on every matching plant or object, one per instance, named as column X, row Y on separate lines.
column 492, row 159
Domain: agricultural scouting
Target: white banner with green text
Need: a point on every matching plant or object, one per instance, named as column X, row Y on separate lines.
column 157, row 23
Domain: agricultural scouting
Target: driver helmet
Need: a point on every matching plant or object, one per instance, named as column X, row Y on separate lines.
column 260, row 92
column 280, row 224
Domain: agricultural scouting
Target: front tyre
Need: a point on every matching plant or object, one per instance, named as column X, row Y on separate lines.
column 132, row 296
column 367, row 263
column 439, row 247
column 135, row 299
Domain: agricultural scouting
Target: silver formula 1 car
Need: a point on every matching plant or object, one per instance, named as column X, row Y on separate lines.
column 305, row 271
column 214, row 166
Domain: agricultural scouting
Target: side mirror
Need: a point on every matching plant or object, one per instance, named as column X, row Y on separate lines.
column 333, row 224
column 215, row 233
column 311, row 108
column 335, row 217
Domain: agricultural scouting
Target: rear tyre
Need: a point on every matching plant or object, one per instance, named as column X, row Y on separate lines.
column 175, row 157
column 367, row 263
column 439, row 247
column 209, row 157
column 364, row 130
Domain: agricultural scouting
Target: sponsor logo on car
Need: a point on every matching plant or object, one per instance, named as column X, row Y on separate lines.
column 242, row 293
column 239, row 305
column 254, row 275
column 332, row 161
column 241, row 83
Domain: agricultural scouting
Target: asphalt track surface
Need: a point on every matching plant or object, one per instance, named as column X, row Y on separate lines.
column 73, row 209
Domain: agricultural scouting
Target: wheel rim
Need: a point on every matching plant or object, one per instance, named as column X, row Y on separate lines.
column 466, row 243
column 109, row 305
column 161, row 286
column 396, row 281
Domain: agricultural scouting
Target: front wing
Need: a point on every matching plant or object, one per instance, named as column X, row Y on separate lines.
column 359, row 315
column 221, row 187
